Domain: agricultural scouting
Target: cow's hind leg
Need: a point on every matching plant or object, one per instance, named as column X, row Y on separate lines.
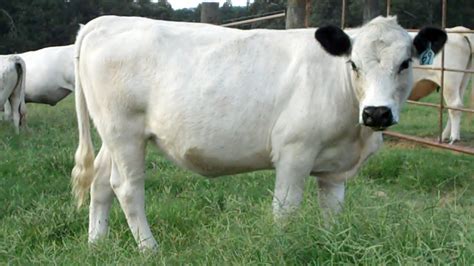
column 7, row 111
column 101, row 196
column 128, row 183
column 447, row 130
column 453, row 94
column 455, row 122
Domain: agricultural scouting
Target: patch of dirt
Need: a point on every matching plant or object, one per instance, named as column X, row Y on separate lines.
column 399, row 143
column 406, row 144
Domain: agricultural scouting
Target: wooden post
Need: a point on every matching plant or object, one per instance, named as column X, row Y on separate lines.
column 210, row 12
column 371, row 10
column 295, row 14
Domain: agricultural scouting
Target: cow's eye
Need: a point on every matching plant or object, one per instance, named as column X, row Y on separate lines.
column 353, row 65
column 404, row 65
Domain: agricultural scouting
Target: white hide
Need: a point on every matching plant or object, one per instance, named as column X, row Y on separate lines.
column 458, row 55
column 12, row 89
column 223, row 101
column 50, row 74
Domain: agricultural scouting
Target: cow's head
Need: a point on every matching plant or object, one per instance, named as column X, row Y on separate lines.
column 379, row 57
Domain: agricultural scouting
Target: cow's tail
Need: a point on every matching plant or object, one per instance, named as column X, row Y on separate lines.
column 83, row 171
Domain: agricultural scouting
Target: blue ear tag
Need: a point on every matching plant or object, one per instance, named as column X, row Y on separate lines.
column 427, row 56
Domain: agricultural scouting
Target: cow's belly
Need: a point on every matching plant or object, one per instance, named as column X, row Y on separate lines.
column 46, row 95
column 209, row 137
column 209, row 159
column 208, row 163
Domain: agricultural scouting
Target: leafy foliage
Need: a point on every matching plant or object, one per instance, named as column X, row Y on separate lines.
column 411, row 14
column 27, row 25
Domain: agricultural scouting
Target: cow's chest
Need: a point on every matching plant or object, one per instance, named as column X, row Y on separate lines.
column 346, row 155
column 337, row 158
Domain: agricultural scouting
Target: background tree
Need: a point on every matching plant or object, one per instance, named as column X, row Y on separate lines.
column 32, row 24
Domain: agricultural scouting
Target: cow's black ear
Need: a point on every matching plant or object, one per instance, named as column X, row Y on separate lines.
column 334, row 40
column 430, row 36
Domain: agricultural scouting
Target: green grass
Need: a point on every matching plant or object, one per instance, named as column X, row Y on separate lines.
column 409, row 205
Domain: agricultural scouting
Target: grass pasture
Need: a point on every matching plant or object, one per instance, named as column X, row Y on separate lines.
column 409, row 205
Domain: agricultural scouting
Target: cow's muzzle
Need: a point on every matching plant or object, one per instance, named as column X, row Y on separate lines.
column 377, row 117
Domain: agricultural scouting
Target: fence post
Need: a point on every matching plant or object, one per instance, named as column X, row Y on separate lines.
column 210, row 12
column 295, row 14
column 371, row 10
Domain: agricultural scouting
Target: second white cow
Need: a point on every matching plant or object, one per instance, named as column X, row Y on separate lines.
column 50, row 74
column 459, row 51
column 223, row 101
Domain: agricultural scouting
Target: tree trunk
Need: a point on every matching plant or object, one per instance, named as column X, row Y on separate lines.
column 371, row 10
column 210, row 12
column 307, row 20
column 295, row 14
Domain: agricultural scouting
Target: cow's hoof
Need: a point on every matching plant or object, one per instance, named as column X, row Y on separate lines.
column 148, row 246
column 452, row 141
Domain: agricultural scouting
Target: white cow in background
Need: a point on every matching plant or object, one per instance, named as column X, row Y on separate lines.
column 50, row 74
column 12, row 88
column 459, row 51
column 224, row 101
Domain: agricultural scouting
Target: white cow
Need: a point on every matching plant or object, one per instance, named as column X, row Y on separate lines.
column 12, row 88
column 224, row 101
column 50, row 74
column 459, row 51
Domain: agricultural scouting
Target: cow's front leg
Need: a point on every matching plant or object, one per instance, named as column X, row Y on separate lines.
column 292, row 169
column 331, row 187
column 331, row 195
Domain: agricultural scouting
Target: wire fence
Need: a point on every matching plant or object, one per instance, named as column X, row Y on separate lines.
column 441, row 106
column 245, row 21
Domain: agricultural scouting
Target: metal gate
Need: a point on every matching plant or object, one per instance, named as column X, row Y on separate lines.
column 441, row 107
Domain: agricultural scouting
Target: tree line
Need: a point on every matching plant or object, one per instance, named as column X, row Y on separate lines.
column 27, row 25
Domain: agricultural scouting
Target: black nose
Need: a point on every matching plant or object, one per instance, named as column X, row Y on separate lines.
column 379, row 117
